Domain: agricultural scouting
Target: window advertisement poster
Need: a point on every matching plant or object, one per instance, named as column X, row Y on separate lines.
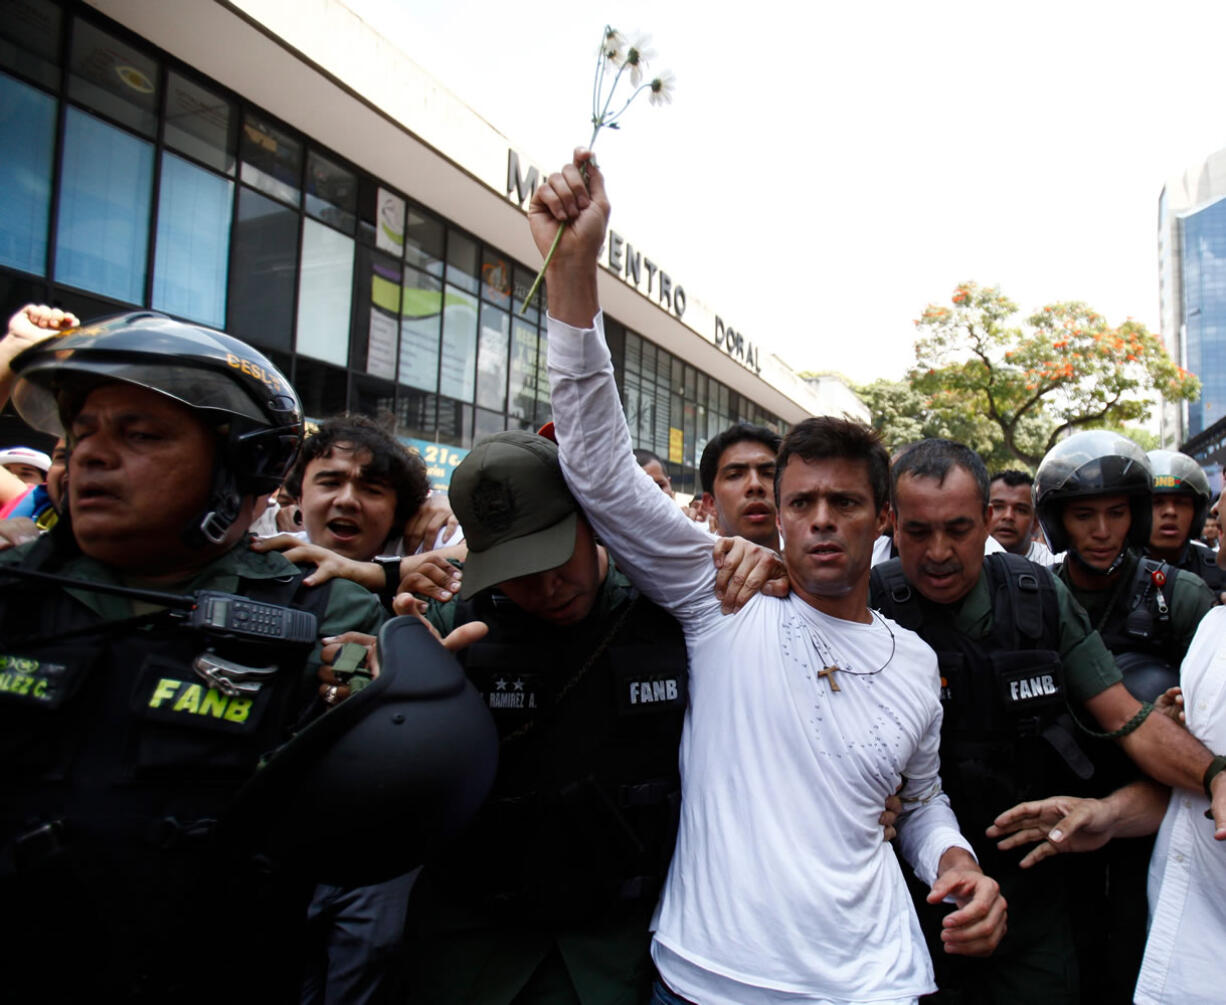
column 441, row 460
column 389, row 226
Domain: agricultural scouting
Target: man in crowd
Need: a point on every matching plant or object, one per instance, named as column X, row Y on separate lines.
column 1011, row 516
column 804, row 713
column 358, row 490
column 1015, row 650
column 26, row 463
column 1094, row 498
column 652, row 464
column 737, row 473
column 550, row 891
column 127, row 728
column 1187, row 884
column 1181, row 507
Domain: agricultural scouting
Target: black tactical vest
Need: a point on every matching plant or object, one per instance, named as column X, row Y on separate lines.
column 584, row 810
column 1006, row 735
column 1201, row 561
column 118, row 760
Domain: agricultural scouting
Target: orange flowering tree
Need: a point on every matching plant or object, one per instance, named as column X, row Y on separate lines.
column 1017, row 387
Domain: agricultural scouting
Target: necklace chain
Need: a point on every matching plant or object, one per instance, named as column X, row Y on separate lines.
column 832, row 665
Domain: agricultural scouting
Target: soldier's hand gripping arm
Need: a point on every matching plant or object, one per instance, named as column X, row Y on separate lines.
column 745, row 570
column 1161, row 748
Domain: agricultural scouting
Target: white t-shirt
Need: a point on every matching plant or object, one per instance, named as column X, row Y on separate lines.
column 781, row 887
column 1187, row 871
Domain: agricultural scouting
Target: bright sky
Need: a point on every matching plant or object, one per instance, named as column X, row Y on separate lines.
column 827, row 169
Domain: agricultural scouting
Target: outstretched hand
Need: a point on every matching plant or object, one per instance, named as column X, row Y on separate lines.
column 1057, row 824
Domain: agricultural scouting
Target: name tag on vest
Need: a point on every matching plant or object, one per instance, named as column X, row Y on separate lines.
column 42, row 683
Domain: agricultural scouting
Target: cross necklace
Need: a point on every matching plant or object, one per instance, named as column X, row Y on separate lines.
column 832, row 667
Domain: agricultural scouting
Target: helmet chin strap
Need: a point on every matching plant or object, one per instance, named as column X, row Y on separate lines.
column 1111, row 570
column 211, row 526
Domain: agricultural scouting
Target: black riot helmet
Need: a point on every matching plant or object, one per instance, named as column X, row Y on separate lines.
column 226, row 383
column 1093, row 463
column 369, row 789
column 1177, row 474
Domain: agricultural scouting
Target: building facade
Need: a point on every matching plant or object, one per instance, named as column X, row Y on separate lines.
column 279, row 170
column 1192, row 291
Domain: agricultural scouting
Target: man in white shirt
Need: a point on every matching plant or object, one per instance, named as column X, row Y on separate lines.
column 1011, row 516
column 804, row 713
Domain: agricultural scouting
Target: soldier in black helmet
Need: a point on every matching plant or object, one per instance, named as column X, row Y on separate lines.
column 1093, row 495
column 1094, row 498
column 149, row 660
column 1181, row 504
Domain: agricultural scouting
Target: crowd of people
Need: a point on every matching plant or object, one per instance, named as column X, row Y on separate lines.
column 818, row 735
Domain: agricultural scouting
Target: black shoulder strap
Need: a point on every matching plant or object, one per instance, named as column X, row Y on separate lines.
column 289, row 591
column 1025, row 602
column 891, row 594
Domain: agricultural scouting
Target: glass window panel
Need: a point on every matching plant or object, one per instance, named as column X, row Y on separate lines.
column 634, row 354
column 389, row 223
column 425, row 236
column 198, row 123
column 103, row 232
column 521, row 284
column 373, row 397
column 648, row 366
column 419, row 330
column 272, row 159
column 523, row 368
column 30, row 39
column 193, row 242
column 688, row 428
column 458, row 371
column 383, row 322
column 331, row 192
column 265, row 265
column 416, row 414
column 113, row 78
column 487, row 424
column 544, row 407
column 462, row 261
column 320, row 387
column 27, row 136
column 492, row 358
column 661, row 425
column 496, row 279
column 325, row 287
column 455, row 423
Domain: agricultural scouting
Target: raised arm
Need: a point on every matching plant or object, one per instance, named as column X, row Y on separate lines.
column 665, row 554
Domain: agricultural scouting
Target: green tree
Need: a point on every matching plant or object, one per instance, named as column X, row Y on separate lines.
column 1014, row 388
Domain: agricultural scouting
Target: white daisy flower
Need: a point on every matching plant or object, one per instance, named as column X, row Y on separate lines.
column 662, row 87
column 638, row 57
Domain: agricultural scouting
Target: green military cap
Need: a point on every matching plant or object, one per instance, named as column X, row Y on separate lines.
column 517, row 513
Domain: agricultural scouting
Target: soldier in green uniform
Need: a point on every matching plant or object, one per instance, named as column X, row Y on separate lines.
column 1017, row 656
column 1181, row 504
column 548, row 895
column 1094, row 499
column 128, row 720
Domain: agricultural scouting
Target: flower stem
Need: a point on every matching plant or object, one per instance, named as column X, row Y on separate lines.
column 541, row 275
